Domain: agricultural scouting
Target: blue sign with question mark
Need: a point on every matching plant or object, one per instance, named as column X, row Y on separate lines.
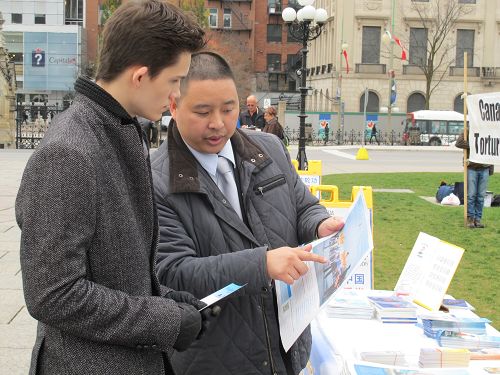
column 38, row 58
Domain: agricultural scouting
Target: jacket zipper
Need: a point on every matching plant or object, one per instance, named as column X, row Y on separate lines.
column 273, row 370
column 268, row 185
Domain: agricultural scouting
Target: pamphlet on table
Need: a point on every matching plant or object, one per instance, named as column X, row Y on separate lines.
column 300, row 302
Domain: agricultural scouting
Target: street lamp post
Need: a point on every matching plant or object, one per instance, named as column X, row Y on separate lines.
column 305, row 25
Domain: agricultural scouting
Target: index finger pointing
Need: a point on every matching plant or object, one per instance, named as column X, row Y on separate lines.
column 311, row 257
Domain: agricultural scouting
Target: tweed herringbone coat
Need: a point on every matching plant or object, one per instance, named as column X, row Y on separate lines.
column 88, row 246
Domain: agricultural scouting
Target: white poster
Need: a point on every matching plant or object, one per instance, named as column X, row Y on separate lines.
column 484, row 127
column 429, row 270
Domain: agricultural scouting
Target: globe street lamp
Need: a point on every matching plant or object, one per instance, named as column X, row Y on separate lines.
column 305, row 25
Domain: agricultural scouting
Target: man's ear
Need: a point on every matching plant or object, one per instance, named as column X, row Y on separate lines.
column 138, row 74
column 173, row 107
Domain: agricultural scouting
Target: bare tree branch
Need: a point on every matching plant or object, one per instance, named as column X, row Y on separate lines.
column 439, row 18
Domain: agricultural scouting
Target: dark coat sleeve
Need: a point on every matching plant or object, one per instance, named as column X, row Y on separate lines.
column 180, row 265
column 56, row 210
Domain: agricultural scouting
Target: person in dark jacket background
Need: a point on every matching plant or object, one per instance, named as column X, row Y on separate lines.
column 253, row 116
column 87, row 214
column 272, row 124
column 208, row 240
column 477, row 183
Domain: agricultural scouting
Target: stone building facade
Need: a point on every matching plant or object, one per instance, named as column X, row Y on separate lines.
column 358, row 27
column 7, row 95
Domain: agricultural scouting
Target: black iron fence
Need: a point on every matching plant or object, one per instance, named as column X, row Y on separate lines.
column 351, row 137
column 32, row 121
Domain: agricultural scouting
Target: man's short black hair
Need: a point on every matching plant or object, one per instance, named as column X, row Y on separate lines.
column 207, row 66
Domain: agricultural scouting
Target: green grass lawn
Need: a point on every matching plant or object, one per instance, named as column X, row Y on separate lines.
column 399, row 217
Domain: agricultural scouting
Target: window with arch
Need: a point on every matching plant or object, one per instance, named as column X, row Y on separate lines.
column 458, row 103
column 415, row 102
column 373, row 102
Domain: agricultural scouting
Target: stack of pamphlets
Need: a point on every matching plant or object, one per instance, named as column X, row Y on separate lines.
column 349, row 305
column 394, row 309
column 385, row 357
column 435, row 323
column 467, row 340
column 458, row 332
column 444, row 357
column 451, row 303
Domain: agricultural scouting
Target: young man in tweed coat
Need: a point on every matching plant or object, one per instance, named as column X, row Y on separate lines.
column 87, row 213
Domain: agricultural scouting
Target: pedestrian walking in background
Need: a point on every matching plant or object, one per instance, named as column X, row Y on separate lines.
column 272, row 125
column 150, row 131
column 374, row 134
column 87, row 214
column 326, row 131
column 477, row 184
column 232, row 209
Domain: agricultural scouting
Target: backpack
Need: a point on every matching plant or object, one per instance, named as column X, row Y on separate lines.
column 496, row 201
column 458, row 190
column 443, row 191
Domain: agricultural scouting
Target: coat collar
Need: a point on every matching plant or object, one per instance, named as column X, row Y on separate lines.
column 184, row 171
column 96, row 93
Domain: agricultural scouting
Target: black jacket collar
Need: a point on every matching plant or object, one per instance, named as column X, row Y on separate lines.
column 184, row 167
column 96, row 93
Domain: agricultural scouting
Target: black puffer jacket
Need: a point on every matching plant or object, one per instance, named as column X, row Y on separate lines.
column 204, row 246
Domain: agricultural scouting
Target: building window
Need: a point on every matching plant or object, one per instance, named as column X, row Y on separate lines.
column 274, row 6
column 227, row 18
column 458, row 104
column 465, row 43
column 212, row 18
column 274, row 33
column 371, row 45
column 16, row 18
column 415, row 102
column 292, row 63
column 290, row 38
column 73, row 12
column 372, row 105
column 39, row 19
column 274, row 62
column 418, row 46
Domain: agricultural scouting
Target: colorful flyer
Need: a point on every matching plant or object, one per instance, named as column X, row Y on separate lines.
column 221, row 293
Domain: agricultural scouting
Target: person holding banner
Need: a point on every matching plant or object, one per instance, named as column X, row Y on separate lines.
column 232, row 209
column 477, row 183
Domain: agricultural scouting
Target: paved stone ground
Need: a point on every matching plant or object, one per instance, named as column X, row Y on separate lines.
column 17, row 328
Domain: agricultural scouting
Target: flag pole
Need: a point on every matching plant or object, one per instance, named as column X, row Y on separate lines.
column 466, row 138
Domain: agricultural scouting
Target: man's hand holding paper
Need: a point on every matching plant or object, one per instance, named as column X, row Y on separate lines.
column 287, row 264
column 329, row 226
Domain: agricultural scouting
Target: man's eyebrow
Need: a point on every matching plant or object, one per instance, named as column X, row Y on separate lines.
column 205, row 106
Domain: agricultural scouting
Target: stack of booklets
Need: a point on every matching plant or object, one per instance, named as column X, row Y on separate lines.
column 394, row 309
column 433, row 324
column 349, row 305
column 467, row 340
column 459, row 332
column 444, row 357
column 385, row 357
column 451, row 303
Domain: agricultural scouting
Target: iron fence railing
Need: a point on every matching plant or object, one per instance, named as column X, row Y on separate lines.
column 351, row 137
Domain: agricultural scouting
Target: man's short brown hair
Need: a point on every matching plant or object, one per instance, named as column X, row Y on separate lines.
column 148, row 33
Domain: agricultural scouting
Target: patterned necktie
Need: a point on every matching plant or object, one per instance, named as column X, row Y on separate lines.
column 227, row 183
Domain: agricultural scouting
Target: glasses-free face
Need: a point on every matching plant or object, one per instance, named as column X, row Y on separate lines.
column 207, row 113
column 154, row 95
